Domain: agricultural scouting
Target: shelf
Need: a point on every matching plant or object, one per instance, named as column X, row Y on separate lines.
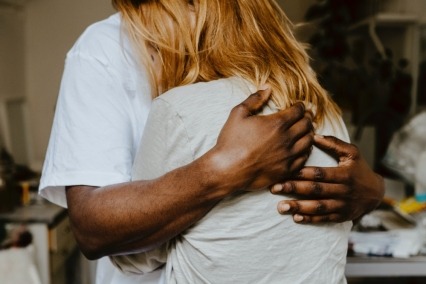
column 385, row 267
column 387, row 19
column 46, row 213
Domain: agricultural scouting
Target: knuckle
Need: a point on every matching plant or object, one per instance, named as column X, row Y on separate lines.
column 353, row 151
column 295, row 207
column 240, row 107
column 286, row 141
column 318, row 174
column 289, row 187
column 316, row 188
column 320, row 208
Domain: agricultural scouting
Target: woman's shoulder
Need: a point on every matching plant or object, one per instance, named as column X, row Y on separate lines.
column 333, row 125
column 216, row 93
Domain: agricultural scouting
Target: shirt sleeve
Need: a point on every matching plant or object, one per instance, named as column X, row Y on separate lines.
column 91, row 142
column 165, row 143
column 165, row 146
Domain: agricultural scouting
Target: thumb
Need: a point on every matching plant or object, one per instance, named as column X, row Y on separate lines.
column 335, row 147
column 255, row 102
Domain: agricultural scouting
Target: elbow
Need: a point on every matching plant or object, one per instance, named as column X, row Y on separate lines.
column 90, row 245
column 89, row 237
column 85, row 225
column 91, row 253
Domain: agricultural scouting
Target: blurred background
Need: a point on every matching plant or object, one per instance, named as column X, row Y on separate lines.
column 369, row 54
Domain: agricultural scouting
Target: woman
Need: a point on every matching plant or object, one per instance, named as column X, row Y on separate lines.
column 233, row 48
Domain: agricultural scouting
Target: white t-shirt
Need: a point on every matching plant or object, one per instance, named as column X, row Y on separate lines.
column 242, row 239
column 101, row 111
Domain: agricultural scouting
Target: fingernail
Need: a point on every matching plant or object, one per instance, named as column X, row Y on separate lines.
column 277, row 188
column 319, row 136
column 284, row 207
column 298, row 218
column 264, row 87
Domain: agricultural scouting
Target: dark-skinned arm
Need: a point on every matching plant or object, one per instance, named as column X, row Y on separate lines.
column 334, row 194
column 138, row 216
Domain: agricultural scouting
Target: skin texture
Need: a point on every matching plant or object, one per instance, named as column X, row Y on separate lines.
column 342, row 193
column 138, row 216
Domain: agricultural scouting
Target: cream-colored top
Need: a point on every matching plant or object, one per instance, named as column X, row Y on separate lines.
column 243, row 239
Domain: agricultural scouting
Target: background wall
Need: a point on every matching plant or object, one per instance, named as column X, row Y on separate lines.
column 12, row 70
column 51, row 28
column 34, row 40
column 11, row 50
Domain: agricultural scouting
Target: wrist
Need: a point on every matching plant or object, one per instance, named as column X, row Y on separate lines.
column 219, row 175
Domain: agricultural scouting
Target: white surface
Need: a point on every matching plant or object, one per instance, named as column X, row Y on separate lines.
column 397, row 243
column 17, row 266
column 385, row 267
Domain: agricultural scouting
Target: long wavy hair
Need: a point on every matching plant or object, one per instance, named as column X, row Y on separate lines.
column 251, row 39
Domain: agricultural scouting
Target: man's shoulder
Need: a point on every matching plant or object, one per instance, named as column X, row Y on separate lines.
column 102, row 39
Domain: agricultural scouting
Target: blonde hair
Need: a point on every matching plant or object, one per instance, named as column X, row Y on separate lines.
column 251, row 39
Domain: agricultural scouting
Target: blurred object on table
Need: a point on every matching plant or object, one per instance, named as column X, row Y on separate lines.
column 405, row 148
column 18, row 237
column 17, row 257
column 8, row 187
column 16, row 182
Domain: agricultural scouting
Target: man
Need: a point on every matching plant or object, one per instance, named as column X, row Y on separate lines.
column 102, row 107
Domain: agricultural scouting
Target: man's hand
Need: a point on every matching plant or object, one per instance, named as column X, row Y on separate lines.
column 255, row 151
column 338, row 194
column 251, row 152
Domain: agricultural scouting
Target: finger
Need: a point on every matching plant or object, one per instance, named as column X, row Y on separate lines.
column 311, row 189
column 300, row 129
column 298, row 163
column 311, row 207
column 325, row 174
column 289, row 116
column 303, row 145
column 301, row 152
column 253, row 104
column 336, row 147
column 318, row 219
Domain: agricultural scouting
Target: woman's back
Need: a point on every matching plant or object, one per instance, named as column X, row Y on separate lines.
column 243, row 239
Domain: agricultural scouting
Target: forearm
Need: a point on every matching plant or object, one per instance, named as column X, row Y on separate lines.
column 137, row 216
column 140, row 215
